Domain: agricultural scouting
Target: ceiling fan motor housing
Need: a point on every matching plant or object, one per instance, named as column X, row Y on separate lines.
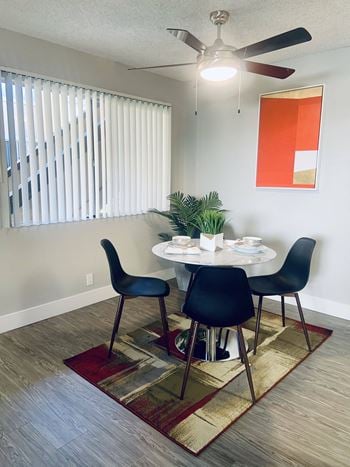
column 219, row 17
column 224, row 56
column 219, row 51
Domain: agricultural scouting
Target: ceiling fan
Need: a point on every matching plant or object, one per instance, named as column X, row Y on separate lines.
column 221, row 61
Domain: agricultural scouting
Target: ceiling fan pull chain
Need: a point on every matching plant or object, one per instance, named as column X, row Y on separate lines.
column 196, row 98
column 239, row 91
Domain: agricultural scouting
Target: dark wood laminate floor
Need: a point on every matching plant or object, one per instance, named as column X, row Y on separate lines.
column 49, row 416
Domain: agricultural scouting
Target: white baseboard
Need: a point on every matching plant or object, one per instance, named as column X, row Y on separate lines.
column 34, row 314
column 322, row 305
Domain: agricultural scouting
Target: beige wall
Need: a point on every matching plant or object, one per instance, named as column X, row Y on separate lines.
column 225, row 160
column 46, row 263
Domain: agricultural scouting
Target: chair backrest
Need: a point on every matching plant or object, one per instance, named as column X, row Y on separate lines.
column 296, row 267
column 115, row 268
column 219, row 296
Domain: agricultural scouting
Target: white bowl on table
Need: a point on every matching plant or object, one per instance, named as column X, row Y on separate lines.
column 181, row 240
column 252, row 241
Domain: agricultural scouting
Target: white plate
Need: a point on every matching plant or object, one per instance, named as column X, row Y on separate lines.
column 249, row 250
column 188, row 245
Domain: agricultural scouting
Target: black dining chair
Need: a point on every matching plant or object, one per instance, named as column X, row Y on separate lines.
column 219, row 297
column 131, row 287
column 288, row 281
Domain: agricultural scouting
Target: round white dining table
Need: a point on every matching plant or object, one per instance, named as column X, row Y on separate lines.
column 216, row 344
column 226, row 256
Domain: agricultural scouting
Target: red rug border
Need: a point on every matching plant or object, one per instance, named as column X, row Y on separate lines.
column 196, row 454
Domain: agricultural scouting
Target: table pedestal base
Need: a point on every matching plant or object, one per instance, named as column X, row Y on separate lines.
column 212, row 344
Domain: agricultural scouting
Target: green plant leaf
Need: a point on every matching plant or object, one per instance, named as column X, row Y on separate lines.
column 211, row 222
column 211, row 201
column 165, row 237
column 186, row 209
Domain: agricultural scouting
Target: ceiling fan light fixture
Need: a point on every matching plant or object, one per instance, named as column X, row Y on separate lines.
column 218, row 73
column 218, row 68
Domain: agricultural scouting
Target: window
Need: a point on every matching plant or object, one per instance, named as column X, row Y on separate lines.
column 70, row 153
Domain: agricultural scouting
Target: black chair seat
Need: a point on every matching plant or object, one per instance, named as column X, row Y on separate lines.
column 132, row 286
column 271, row 285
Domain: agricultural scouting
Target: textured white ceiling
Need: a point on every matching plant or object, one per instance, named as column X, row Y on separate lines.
column 133, row 31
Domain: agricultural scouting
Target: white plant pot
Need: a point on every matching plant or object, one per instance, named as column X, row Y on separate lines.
column 211, row 242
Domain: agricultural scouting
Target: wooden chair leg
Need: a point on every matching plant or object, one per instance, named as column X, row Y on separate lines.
column 162, row 309
column 306, row 334
column 190, row 332
column 246, row 362
column 239, row 350
column 118, row 315
column 283, row 310
column 189, row 358
column 257, row 325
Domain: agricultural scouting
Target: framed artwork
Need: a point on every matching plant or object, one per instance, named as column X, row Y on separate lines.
column 288, row 140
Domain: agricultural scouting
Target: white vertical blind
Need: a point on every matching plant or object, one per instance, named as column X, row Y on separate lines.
column 76, row 154
column 40, row 142
column 12, row 148
column 67, row 154
column 82, row 153
column 126, row 160
column 90, row 166
column 121, row 162
column 144, row 161
column 57, row 134
column 132, row 168
column 138, row 168
column 4, row 205
column 115, row 162
column 22, row 151
column 103, row 154
column 109, row 171
column 166, row 175
column 31, row 150
column 51, row 157
column 97, row 153
column 150, row 185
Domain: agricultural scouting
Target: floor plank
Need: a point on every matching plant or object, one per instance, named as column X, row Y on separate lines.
column 50, row 416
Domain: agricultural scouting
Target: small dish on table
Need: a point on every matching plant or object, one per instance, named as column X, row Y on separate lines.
column 246, row 245
column 181, row 240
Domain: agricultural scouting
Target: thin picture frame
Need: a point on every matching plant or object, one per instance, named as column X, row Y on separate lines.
column 319, row 150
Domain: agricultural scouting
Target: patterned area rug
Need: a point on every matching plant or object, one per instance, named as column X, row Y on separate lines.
column 145, row 380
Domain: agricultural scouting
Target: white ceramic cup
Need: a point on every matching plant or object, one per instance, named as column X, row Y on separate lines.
column 252, row 241
column 181, row 240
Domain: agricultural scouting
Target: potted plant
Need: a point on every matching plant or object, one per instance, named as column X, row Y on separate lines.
column 182, row 215
column 184, row 212
column 211, row 226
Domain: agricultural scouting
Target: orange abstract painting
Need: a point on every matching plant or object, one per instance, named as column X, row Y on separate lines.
column 289, row 131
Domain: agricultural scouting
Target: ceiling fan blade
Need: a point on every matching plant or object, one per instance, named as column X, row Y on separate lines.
column 267, row 70
column 286, row 39
column 161, row 66
column 188, row 39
